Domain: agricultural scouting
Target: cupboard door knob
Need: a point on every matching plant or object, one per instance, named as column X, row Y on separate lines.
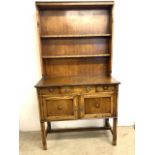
column 97, row 105
column 59, row 107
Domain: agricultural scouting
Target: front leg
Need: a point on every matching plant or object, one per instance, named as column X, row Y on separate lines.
column 114, row 131
column 43, row 135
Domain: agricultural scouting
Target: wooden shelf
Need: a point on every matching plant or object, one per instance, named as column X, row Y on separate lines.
column 75, row 36
column 75, row 56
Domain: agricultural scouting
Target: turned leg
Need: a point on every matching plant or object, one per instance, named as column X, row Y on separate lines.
column 43, row 135
column 48, row 126
column 114, row 131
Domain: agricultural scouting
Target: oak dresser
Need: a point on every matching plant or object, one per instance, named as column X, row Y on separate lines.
column 75, row 40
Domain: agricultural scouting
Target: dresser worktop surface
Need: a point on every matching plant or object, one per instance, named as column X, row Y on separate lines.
column 73, row 81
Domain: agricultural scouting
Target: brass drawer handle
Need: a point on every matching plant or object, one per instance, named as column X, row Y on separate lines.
column 105, row 87
column 97, row 105
column 88, row 88
column 66, row 90
column 59, row 107
column 99, row 89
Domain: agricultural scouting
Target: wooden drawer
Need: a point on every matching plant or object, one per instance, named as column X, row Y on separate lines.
column 97, row 105
column 67, row 90
column 103, row 88
column 76, row 89
column 50, row 90
column 60, row 107
column 56, row 90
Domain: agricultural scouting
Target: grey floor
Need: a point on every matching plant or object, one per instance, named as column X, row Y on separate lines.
column 79, row 143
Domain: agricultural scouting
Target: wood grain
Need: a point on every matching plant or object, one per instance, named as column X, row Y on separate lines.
column 86, row 46
column 63, row 22
column 76, row 67
column 60, row 107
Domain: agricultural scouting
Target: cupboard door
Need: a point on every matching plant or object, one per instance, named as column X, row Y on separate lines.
column 97, row 105
column 60, row 107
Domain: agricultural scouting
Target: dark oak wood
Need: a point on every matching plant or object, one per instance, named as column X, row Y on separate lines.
column 43, row 135
column 114, row 131
column 75, row 42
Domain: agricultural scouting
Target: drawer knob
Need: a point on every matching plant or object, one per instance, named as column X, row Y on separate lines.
column 97, row 105
column 105, row 87
column 59, row 107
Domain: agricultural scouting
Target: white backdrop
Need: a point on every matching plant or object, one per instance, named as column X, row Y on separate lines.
column 20, row 69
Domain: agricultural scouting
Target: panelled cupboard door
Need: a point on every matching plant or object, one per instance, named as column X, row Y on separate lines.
column 60, row 107
column 97, row 105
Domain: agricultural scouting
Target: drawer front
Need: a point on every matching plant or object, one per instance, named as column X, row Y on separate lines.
column 105, row 88
column 50, row 90
column 57, row 90
column 76, row 89
column 60, row 107
column 97, row 105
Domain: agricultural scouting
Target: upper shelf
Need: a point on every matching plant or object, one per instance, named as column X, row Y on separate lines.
column 75, row 36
